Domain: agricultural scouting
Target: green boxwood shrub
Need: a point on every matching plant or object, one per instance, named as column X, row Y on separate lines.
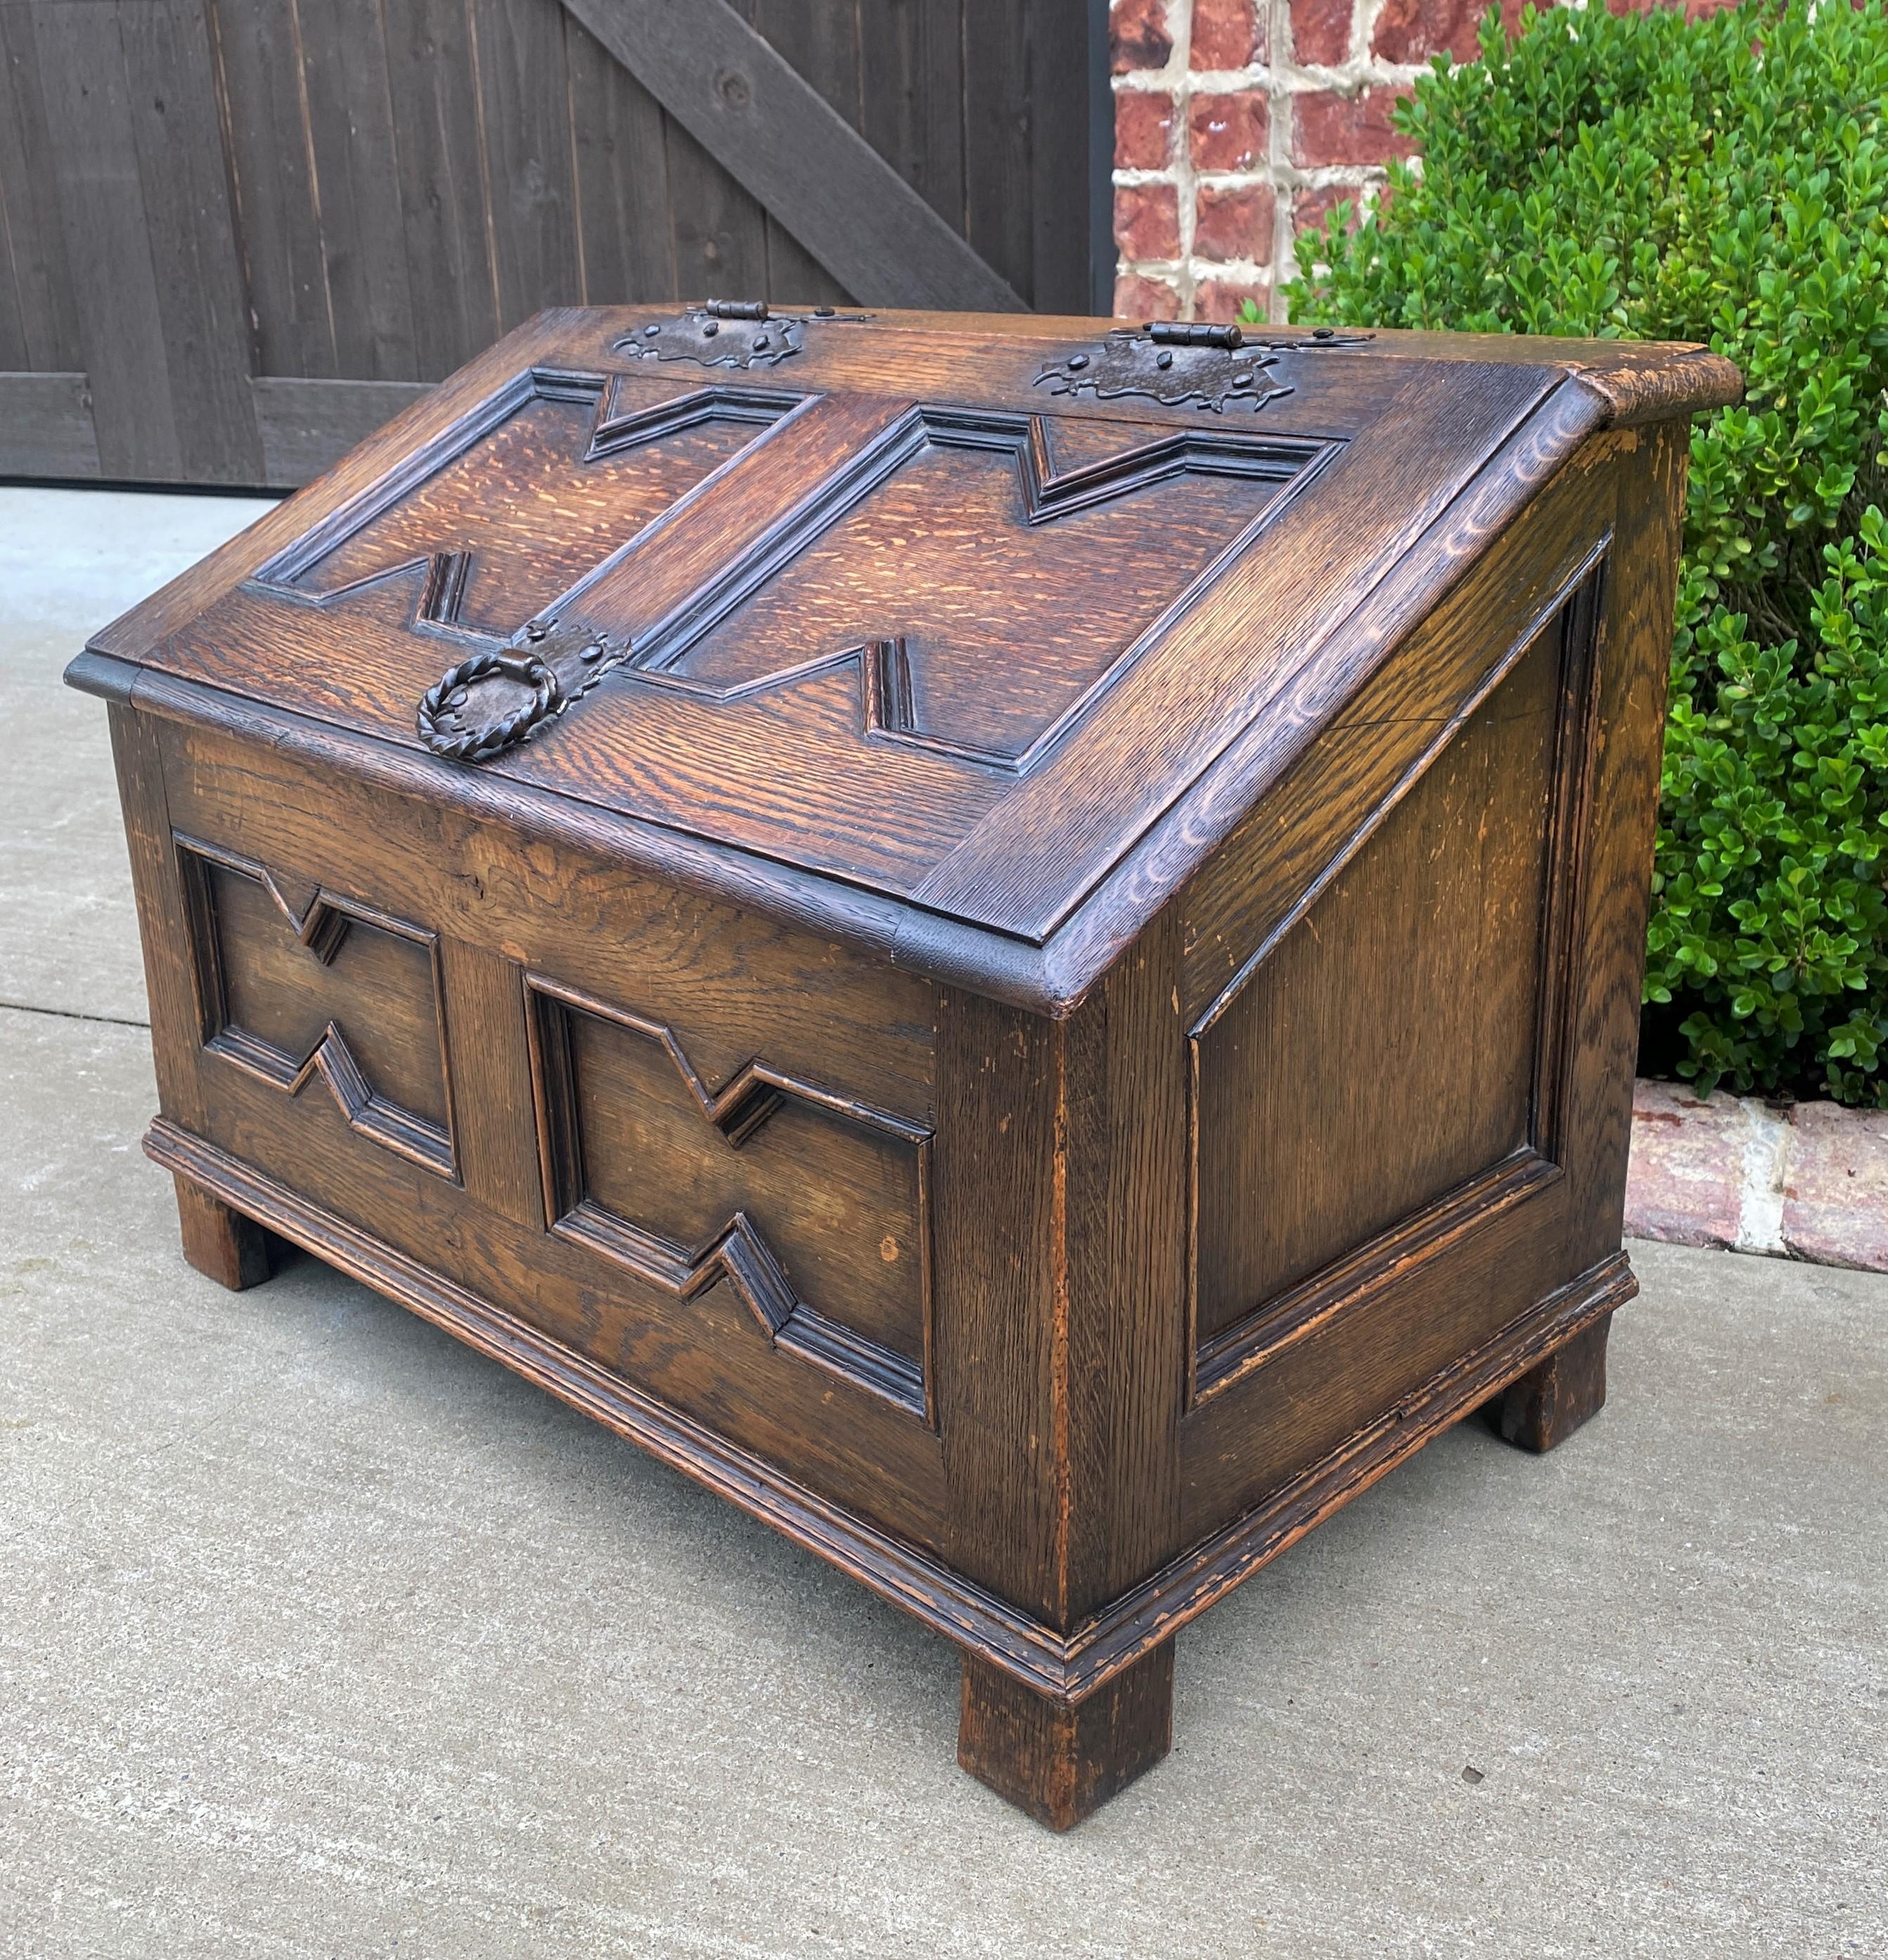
column 1723, row 180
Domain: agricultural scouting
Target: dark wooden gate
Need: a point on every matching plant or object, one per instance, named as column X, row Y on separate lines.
column 235, row 235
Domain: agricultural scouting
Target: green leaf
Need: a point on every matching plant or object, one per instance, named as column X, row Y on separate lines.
column 1723, row 180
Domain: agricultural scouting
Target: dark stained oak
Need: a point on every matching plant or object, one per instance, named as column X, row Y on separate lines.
column 219, row 1242
column 1552, row 1399
column 1059, row 1763
column 1050, row 992
column 1352, row 1107
column 1273, row 863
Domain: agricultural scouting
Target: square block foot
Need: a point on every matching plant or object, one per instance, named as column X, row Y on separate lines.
column 1550, row 1401
column 1059, row 1763
column 221, row 1244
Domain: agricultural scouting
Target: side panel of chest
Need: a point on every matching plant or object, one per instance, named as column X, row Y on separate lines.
column 1411, row 980
column 690, row 1147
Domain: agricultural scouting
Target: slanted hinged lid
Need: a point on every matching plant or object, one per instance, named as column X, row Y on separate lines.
column 948, row 613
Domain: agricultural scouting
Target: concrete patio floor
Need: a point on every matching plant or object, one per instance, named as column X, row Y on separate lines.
column 322, row 1636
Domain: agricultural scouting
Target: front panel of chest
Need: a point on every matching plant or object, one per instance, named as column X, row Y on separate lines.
column 691, row 1147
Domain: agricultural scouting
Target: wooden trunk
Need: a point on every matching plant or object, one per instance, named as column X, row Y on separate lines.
column 1016, row 944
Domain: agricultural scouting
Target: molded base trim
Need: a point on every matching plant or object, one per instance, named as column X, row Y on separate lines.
column 1356, row 1277
column 1068, row 1667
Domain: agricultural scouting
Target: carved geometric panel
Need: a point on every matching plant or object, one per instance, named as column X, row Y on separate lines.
column 812, row 1206
column 1327, row 1111
column 296, row 986
column 551, row 477
column 824, row 577
column 989, row 572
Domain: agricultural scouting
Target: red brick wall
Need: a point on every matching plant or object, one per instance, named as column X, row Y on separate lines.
column 1239, row 123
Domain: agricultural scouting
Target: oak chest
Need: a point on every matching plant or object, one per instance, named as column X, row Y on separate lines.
column 1015, row 942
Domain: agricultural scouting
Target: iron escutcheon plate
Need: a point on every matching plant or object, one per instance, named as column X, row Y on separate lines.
column 1183, row 364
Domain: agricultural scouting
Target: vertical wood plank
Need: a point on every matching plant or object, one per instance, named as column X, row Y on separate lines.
column 136, row 145
column 1001, row 1300
column 526, row 124
column 1634, row 655
column 15, row 354
column 176, row 1031
column 911, row 74
column 1000, row 179
column 719, row 232
column 820, row 39
column 440, row 183
column 343, row 58
column 208, row 349
column 621, row 143
column 487, row 1055
column 1056, row 33
column 1126, row 1139
column 14, row 357
column 1061, row 1285
column 258, row 71
column 45, row 333
column 87, row 97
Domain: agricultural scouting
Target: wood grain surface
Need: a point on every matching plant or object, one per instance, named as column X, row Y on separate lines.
column 209, row 201
column 1066, row 1002
column 1349, row 1107
column 753, row 715
column 1541, row 1410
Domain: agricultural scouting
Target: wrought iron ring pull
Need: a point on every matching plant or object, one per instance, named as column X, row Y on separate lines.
column 445, row 731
